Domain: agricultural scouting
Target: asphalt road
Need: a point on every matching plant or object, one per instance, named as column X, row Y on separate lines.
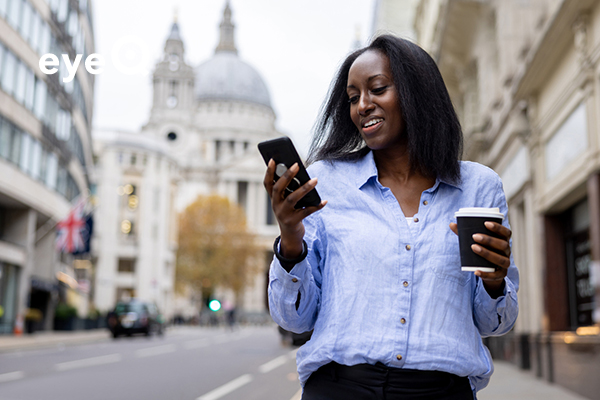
column 189, row 363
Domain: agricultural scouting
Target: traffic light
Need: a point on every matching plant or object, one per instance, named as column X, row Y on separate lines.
column 214, row 305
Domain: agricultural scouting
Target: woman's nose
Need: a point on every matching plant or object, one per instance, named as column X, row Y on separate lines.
column 365, row 105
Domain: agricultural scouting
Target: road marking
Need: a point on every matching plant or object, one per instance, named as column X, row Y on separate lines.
column 271, row 365
column 88, row 362
column 155, row 351
column 227, row 388
column 196, row 344
column 11, row 376
column 297, row 396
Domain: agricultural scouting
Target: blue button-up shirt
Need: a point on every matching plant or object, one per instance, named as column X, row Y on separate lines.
column 377, row 289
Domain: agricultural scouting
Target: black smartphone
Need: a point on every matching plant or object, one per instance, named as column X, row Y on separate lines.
column 283, row 152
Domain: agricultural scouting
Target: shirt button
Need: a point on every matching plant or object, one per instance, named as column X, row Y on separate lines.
column 425, row 202
column 294, row 280
column 399, row 357
column 403, row 320
column 405, row 284
column 416, row 219
column 408, row 247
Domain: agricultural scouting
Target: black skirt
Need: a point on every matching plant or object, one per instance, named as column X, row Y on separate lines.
column 364, row 381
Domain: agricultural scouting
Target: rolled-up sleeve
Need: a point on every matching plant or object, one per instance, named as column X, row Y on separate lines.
column 495, row 317
column 303, row 280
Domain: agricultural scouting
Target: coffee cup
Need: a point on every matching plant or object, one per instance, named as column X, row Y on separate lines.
column 470, row 221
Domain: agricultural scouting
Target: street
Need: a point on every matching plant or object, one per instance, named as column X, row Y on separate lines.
column 188, row 363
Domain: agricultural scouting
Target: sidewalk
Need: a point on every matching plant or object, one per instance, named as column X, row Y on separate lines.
column 509, row 382
column 48, row 339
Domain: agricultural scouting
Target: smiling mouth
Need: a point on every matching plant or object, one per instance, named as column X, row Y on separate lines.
column 372, row 124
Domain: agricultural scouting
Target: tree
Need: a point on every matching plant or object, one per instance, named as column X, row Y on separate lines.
column 215, row 247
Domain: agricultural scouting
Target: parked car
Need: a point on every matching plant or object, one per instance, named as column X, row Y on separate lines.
column 135, row 316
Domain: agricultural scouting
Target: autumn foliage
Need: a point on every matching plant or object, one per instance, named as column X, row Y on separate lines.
column 215, row 247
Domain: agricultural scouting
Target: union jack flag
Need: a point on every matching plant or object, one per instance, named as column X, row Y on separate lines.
column 71, row 231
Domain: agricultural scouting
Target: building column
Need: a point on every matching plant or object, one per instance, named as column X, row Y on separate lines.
column 27, row 270
column 593, row 188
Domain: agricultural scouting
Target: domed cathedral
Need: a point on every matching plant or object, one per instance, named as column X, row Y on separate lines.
column 212, row 118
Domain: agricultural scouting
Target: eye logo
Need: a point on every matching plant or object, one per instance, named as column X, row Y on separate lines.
column 129, row 55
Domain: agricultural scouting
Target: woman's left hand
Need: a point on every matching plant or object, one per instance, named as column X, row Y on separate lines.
column 493, row 281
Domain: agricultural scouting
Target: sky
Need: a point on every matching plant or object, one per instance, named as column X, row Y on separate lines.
column 296, row 46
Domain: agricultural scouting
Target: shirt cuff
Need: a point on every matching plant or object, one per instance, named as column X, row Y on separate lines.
column 494, row 308
column 292, row 280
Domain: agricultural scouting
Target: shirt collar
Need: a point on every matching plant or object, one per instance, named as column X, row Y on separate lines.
column 366, row 169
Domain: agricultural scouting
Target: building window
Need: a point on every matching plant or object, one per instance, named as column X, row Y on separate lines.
column 126, row 265
column 242, row 194
column 3, row 8
column 8, row 72
column 578, row 258
column 270, row 215
column 125, row 294
column 14, row 13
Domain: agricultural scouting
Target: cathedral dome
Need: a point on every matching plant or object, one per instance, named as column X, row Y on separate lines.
column 226, row 77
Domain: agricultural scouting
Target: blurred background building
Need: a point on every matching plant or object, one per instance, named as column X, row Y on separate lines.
column 200, row 139
column 45, row 154
column 523, row 77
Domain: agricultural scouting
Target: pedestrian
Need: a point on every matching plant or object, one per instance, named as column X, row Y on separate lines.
column 375, row 268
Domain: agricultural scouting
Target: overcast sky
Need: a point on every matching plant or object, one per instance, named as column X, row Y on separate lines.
column 295, row 45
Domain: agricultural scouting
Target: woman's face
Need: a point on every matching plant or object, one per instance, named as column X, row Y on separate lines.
column 374, row 105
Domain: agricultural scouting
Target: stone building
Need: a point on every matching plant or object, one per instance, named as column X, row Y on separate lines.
column 206, row 122
column 45, row 155
column 524, row 78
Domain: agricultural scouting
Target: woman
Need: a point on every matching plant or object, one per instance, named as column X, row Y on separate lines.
column 377, row 273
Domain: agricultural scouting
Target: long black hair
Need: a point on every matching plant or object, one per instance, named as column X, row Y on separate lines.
column 433, row 132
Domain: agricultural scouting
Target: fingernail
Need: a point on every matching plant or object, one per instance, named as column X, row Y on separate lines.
column 477, row 237
column 489, row 225
column 476, row 248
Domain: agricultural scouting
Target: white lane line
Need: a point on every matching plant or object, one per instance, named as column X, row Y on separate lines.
column 227, row 388
column 155, row 351
column 11, row 376
column 271, row 365
column 297, row 396
column 88, row 362
column 196, row 344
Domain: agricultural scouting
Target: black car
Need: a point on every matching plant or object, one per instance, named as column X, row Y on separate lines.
column 135, row 316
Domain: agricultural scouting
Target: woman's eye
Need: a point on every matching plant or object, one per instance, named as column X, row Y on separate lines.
column 353, row 99
column 379, row 90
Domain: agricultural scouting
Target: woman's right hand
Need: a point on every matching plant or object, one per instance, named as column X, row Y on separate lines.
column 288, row 217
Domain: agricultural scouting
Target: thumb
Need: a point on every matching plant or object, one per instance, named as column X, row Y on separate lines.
column 454, row 227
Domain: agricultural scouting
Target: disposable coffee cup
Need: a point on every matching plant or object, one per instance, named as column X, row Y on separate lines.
column 471, row 221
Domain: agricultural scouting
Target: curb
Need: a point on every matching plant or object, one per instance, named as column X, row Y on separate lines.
column 51, row 339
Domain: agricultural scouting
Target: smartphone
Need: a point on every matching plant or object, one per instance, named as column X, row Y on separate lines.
column 283, row 152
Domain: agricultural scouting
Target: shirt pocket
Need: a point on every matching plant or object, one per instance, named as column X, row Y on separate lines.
column 444, row 258
column 446, row 267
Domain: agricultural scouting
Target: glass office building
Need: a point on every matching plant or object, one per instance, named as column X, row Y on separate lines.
column 45, row 152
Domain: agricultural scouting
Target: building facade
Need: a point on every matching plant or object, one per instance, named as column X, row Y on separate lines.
column 205, row 123
column 45, row 154
column 524, row 79
column 136, row 225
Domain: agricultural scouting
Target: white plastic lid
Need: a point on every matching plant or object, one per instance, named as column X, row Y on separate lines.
column 479, row 212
